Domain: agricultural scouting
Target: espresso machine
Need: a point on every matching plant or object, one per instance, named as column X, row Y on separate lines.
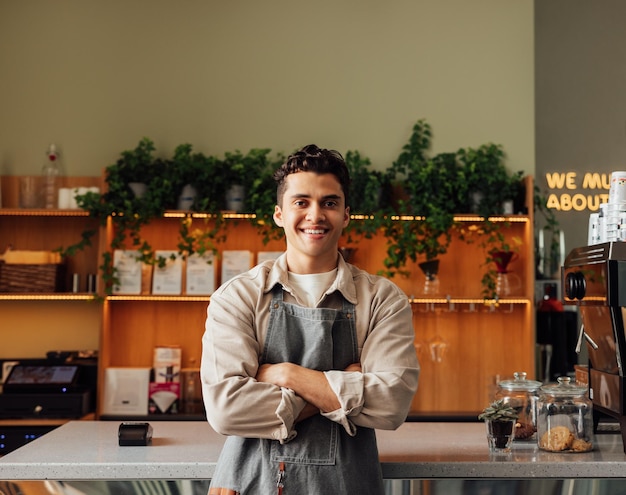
column 594, row 279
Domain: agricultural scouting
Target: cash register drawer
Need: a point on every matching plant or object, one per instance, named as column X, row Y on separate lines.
column 44, row 405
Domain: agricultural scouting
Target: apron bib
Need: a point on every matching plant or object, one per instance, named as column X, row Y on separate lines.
column 322, row 458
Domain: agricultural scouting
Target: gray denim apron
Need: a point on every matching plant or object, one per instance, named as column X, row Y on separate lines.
column 322, row 458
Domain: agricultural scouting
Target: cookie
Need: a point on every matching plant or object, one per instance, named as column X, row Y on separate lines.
column 580, row 445
column 557, row 439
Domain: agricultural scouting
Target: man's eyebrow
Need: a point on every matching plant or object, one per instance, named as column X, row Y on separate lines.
column 324, row 198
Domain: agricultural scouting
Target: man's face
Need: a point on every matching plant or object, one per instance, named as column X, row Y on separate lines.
column 313, row 215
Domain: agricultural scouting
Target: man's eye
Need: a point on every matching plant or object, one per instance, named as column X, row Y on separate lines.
column 299, row 202
column 330, row 204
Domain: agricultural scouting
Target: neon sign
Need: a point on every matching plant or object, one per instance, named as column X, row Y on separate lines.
column 572, row 191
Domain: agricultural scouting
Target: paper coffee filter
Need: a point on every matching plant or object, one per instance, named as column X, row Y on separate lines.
column 163, row 399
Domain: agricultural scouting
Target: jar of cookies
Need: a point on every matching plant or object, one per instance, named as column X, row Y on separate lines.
column 521, row 394
column 564, row 418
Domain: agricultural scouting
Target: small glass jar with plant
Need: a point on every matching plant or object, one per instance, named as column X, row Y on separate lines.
column 500, row 419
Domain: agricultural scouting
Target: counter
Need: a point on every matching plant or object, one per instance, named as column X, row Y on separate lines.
column 88, row 450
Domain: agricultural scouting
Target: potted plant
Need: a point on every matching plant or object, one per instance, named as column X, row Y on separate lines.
column 487, row 184
column 238, row 172
column 500, row 419
column 132, row 169
column 430, row 192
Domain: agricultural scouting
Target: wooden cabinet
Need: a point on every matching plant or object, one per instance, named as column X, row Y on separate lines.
column 464, row 344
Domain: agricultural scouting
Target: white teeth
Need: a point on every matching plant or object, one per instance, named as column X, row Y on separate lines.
column 311, row 231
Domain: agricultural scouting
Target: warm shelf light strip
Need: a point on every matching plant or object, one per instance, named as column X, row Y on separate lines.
column 129, row 297
column 18, row 212
column 487, row 302
column 184, row 214
column 46, row 297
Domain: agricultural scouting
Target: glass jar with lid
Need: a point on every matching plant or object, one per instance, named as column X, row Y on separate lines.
column 521, row 394
column 565, row 418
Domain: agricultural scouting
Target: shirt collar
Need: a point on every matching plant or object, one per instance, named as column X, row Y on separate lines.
column 344, row 283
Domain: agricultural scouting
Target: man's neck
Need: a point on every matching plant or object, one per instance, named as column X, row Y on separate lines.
column 308, row 266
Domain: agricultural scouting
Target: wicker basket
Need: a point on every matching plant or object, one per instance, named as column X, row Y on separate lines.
column 32, row 278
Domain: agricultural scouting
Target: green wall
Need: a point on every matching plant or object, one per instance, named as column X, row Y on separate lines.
column 94, row 76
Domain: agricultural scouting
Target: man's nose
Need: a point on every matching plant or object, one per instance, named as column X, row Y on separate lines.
column 315, row 212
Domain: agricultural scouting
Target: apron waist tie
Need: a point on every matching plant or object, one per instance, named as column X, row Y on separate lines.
column 280, row 478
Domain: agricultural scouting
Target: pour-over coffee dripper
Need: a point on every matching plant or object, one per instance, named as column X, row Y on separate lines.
column 507, row 283
column 431, row 283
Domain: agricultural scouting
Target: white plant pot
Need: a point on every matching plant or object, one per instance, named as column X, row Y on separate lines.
column 138, row 188
column 187, row 197
column 235, row 198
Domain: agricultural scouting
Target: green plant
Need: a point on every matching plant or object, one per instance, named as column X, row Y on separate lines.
column 201, row 172
column 498, row 410
column 134, row 165
column 128, row 212
column 261, row 195
column 369, row 189
column 486, row 183
column 369, row 197
column 431, row 193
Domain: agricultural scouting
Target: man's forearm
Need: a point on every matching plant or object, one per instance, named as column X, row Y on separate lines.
column 311, row 385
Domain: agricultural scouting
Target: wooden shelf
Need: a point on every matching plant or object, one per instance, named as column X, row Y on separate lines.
column 480, row 340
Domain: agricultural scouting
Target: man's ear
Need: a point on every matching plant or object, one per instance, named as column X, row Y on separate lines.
column 278, row 216
column 346, row 217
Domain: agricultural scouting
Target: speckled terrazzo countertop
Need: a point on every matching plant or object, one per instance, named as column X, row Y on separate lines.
column 189, row 450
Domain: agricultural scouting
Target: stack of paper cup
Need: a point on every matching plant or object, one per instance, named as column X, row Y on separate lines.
column 610, row 223
column 615, row 222
column 617, row 191
column 593, row 234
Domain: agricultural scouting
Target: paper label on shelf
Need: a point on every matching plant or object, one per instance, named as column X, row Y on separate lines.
column 234, row 263
column 200, row 274
column 267, row 255
column 128, row 269
column 168, row 279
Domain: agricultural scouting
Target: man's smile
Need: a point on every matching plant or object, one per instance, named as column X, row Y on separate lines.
column 315, row 231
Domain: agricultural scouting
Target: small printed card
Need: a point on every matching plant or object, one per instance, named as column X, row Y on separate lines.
column 168, row 279
column 200, row 274
column 128, row 270
column 234, row 263
column 267, row 255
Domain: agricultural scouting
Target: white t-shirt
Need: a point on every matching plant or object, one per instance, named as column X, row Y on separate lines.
column 311, row 287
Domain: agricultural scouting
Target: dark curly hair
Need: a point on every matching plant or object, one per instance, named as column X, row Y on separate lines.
column 311, row 158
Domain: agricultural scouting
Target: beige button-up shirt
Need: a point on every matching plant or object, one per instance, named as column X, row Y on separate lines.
column 236, row 325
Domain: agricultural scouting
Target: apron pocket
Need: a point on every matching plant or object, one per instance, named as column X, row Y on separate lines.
column 316, row 443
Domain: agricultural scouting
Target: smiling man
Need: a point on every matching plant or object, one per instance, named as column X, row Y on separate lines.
column 303, row 357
